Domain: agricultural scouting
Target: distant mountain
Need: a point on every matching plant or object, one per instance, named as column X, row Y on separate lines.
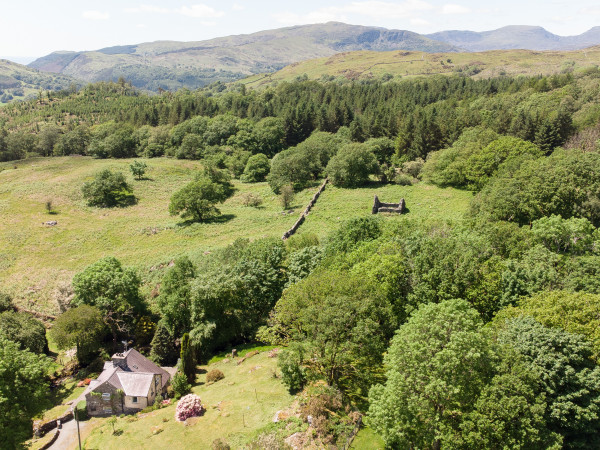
column 18, row 82
column 171, row 65
column 516, row 37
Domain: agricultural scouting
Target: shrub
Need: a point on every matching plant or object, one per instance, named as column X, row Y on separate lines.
column 108, row 189
column 214, row 376
column 5, row 303
column 138, row 169
column 290, row 363
column 404, row 180
column 250, row 199
column 286, row 197
column 220, row 444
column 413, row 168
column 81, row 410
column 180, row 385
column 188, row 406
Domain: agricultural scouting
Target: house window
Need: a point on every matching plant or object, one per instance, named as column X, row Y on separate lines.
column 106, row 396
column 134, row 400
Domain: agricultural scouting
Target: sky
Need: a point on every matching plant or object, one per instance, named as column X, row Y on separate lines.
column 31, row 28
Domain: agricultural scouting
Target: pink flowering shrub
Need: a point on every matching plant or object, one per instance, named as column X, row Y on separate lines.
column 188, row 406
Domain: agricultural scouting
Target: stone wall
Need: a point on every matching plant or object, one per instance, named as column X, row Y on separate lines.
column 397, row 208
column 300, row 221
column 99, row 406
column 40, row 429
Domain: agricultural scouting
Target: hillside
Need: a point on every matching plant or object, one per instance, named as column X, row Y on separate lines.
column 37, row 259
column 18, row 82
column 516, row 37
column 172, row 65
column 366, row 65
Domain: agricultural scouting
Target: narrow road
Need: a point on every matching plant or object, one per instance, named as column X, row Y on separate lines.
column 67, row 439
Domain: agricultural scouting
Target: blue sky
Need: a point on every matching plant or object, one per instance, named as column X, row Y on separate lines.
column 38, row 27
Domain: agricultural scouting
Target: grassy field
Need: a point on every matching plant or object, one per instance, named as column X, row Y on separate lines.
column 368, row 64
column 35, row 259
column 247, row 398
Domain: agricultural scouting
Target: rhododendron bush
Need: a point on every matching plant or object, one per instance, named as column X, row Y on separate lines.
column 189, row 406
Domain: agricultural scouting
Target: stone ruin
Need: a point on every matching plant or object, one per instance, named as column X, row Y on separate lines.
column 397, row 208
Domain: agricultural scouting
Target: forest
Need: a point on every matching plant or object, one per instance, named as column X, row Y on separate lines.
column 481, row 333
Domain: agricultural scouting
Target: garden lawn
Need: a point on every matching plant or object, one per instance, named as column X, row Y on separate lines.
column 248, row 398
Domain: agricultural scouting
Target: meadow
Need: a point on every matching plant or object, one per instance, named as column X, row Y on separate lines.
column 362, row 65
column 37, row 259
column 237, row 408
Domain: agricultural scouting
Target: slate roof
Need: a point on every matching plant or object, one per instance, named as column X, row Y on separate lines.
column 135, row 384
column 136, row 362
column 134, row 377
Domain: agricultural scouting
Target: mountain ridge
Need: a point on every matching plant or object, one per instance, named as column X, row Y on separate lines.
column 174, row 64
column 513, row 37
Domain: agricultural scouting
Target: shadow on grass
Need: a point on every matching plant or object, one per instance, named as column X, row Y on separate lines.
column 223, row 218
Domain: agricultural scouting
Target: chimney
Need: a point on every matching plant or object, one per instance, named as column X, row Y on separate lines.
column 119, row 360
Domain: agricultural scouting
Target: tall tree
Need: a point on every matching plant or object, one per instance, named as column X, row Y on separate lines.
column 82, row 328
column 113, row 289
column 23, row 391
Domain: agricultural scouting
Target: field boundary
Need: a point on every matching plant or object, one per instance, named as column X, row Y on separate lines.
column 306, row 211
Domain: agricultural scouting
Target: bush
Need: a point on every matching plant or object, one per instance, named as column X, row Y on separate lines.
column 404, row 180
column 108, row 189
column 188, row 406
column 257, row 169
column 81, row 410
column 214, row 376
column 253, row 200
column 413, row 168
column 286, row 197
column 138, row 169
column 290, row 363
column 6, row 303
column 220, row 444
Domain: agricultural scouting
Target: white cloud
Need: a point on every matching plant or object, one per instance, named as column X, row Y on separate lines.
column 455, row 9
column 238, row 7
column 147, row 9
column 372, row 9
column 200, row 11
column 95, row 15
column 419, row 22
column 590, row 10
column 379, row 10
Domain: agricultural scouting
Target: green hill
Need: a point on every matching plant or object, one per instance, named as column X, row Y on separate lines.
column 18, row 82
column 35, row 260
column 172, row 65
column 397, row 64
